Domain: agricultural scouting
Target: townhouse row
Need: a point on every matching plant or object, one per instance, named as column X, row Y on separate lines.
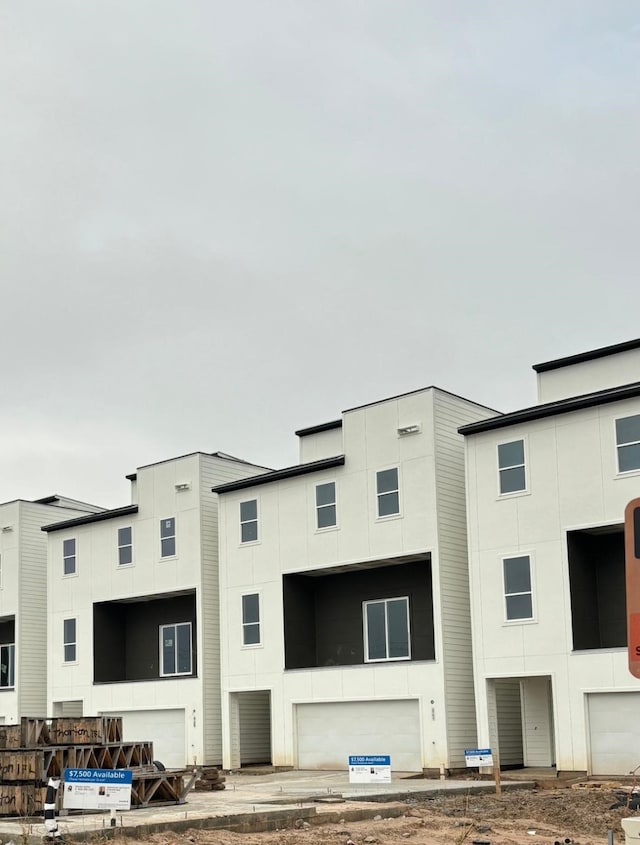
column 431, row 576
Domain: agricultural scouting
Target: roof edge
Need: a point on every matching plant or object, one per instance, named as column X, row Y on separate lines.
column 550, row 409
column 317, row 429
column 280, row 474
column 590, row 355
column 93, row 517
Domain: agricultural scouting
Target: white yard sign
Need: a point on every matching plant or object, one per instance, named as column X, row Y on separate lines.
column 478, row 757
column 374, row 768
column 97, row 789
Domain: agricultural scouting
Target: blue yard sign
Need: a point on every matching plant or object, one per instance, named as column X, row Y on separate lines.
column 97, row 789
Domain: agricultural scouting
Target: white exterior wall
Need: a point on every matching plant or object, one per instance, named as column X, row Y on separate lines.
column 289, row 542
column 572, row 483
column 23, row 595
column 589, row 376
column 323, row 444
column 99, row 578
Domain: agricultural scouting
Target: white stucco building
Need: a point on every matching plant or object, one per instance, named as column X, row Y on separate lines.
column 547, row 487
column 23, row 602
column 133, row 626
column 344, row 594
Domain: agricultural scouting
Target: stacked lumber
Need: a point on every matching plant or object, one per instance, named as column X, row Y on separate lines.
column 37, row 749
column 210, row 780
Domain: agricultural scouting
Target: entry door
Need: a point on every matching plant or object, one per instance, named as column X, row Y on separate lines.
column 537, row 722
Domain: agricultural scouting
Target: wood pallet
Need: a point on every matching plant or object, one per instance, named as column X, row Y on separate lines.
column 36, row 733
column 21, row 799
column 168, row 787
column 39, row 764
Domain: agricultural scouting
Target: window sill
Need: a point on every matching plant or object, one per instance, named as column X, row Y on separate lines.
column 242, row 545
column 251, row 646
column 165, row 559
column 125, row 566
column 509, row 623
column 70, row 574
column 327, row 530
column 389, row 518
column 629, row 473
column 7, row 689
column 515, row 495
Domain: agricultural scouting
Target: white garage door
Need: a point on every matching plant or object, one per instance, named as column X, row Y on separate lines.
column 328, row 733
column 614, row 732
column 165, row 728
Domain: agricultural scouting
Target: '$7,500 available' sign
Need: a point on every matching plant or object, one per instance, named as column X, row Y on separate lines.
column 97, row 789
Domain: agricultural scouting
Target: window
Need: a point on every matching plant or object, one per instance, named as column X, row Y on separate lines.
column 7, row 665
column 326, row 505
column 168, row 537
column 251, row 619
column 69, row 556
column 386, row 629
column 628, row 443
column 69, row 640
column 511, row 467
column 249, row 521
column 388, row 492
column 175, row 649
column 517, row 587
column 125, row 546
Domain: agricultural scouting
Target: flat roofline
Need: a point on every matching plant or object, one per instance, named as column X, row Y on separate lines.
column 280, row 474
column 328, row 426
column 318, row 429
column 550, row 409
column 589, row 355
column 221, row 455
column 92, row 517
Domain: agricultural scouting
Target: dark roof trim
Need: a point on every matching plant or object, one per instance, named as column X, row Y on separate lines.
column 550, row 409
column 92, row 517
column 318, row 429
column 46, row 500
column 280, row 474
column 132, row 476
column 591, row 355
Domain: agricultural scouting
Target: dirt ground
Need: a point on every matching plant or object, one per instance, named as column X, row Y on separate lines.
column 522, row 817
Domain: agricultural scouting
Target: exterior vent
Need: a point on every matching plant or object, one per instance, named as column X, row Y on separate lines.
column 185, row 485
column 409, row 429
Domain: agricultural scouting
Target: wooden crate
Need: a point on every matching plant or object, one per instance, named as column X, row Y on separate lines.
column 10, row 736
column 89, row 730
column 121, row 755
column 22, row 765
column 21, row 799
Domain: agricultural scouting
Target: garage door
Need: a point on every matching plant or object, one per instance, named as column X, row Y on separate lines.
column 328, row 733
column 165, row 728
column 614, row 732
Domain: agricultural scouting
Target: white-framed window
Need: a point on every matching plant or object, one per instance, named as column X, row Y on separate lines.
column 125, row 546
column 69, row 561
column 251, row 619
column 511, row 467
column 175, row 649
column 386, row 629
column 628, row 443
column 70, row 641
column 168, row 537
column 518, row 595
column 326, row 514
column 7, row 665
column 249, row 521
column 388, row 492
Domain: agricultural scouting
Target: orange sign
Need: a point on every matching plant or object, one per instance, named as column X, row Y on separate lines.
column 632, row 570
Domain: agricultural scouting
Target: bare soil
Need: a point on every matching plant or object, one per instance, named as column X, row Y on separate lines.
column 522, row 817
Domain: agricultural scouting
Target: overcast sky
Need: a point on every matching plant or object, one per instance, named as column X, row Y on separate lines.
column 222, row 220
